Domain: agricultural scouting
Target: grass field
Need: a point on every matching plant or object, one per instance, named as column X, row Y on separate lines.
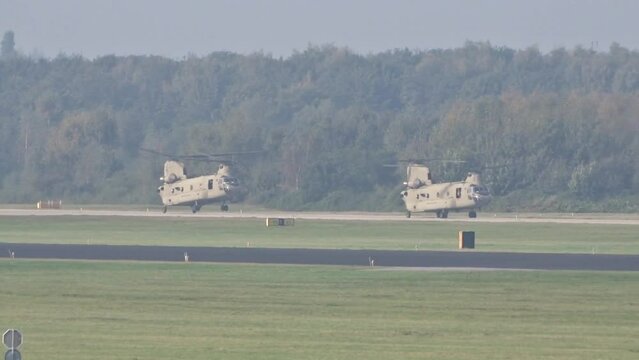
column 106, row 310
column 402, row 235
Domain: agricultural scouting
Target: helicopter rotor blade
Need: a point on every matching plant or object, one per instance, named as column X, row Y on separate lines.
column 154, row 152
column 431, row 160
column 213, row 157
column 235, row 153
column 424, row 161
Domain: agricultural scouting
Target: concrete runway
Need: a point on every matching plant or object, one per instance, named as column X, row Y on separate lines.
column 483, row 217
column 385, row 258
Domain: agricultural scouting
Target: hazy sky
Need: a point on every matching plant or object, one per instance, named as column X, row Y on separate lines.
column 177, row 28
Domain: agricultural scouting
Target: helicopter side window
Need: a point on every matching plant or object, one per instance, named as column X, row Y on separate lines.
column 458, row 192
column 210, row 184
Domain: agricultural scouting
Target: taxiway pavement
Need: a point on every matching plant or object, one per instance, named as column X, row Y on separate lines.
column 377, row 258
column 615, row 219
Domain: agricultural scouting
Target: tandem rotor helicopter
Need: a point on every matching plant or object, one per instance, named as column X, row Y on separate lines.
column 178, row 189
column 422, row 195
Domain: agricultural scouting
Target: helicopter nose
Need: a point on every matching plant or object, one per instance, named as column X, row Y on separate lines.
column 482, row 199
column 236, row 193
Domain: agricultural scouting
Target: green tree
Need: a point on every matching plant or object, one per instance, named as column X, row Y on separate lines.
column 7, row 48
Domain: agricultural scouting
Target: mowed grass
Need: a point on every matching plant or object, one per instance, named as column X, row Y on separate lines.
column 107, row 310
column 399, row 235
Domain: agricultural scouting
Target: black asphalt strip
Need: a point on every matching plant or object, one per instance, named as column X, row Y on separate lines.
column 433, row 259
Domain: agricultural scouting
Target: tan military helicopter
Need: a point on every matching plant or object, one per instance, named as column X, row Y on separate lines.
column 422, row 195
column 178, row 189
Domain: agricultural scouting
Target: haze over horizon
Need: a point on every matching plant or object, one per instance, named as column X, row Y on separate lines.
column 199, row 27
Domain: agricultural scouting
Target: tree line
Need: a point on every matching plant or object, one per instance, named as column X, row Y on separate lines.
column 548, row 131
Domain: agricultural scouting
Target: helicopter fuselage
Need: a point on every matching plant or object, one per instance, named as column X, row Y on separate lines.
column 180, row 190
column 445, row 196
column 196, row 191
column 424, row 196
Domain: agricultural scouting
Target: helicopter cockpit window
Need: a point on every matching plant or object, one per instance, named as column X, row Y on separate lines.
column 230, row 180
column 478, row 189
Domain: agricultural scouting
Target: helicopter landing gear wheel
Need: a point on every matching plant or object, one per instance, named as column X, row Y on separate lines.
column 442, row 214
column 195, row 208
column 472, row 214
column 164, row 209
column 224, row 207
column 408, row 214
